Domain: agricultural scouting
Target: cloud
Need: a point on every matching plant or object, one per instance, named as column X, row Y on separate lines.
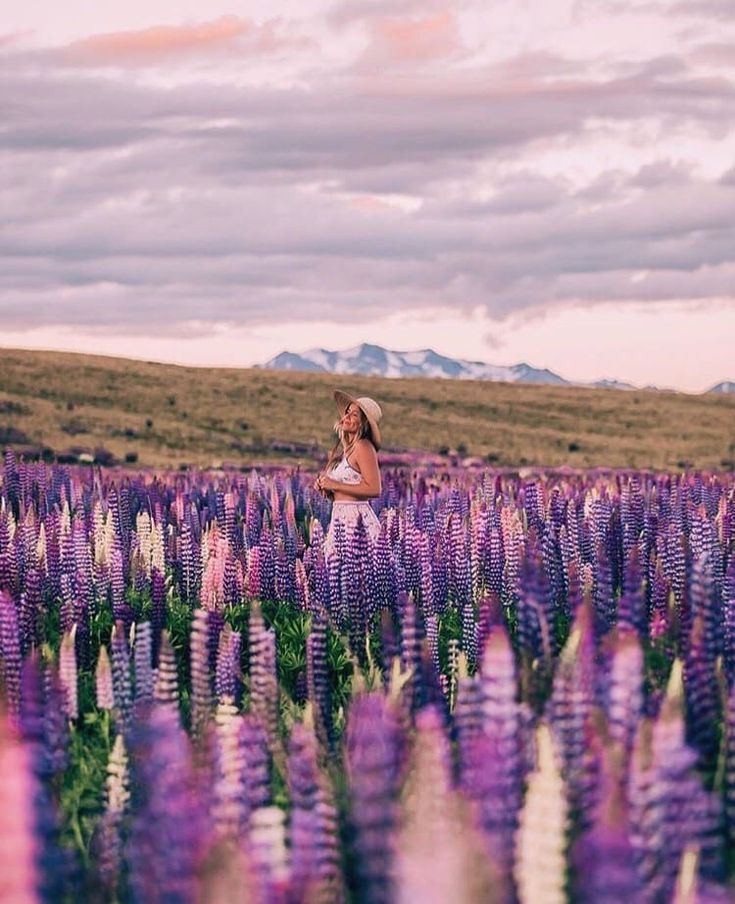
column 143, row 47
column 407, row 175
column 409, row 41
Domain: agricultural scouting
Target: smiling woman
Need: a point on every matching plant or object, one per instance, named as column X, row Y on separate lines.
column 356, row 477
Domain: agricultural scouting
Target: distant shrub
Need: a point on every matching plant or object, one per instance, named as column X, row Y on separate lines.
column 148, row 423
column 103, row 456
column 38, row 453
column 74, row 427
column 10, row 435
column 171, row 400
column 728, row 463
column 462, row 449
column 244, row 425
column 442, row 450
column 8, row 407
column 573, row 446
column 492, row 457
column 131, row 458
column 70, row 406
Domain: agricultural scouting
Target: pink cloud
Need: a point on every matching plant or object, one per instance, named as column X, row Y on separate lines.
column 400, row 40
column 13, row 37
column 149, row 45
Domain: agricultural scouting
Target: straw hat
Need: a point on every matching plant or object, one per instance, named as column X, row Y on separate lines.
column 369, row 407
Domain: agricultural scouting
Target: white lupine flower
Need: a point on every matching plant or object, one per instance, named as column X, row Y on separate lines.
column 157, row 550
column 117, row 777
column 65, row 517
column 540, row 866
column 143, row 537
column 228, row 805
column 41, row 547
column 268, row 838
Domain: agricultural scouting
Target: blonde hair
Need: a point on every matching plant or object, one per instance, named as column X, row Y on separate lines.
column 363, row 431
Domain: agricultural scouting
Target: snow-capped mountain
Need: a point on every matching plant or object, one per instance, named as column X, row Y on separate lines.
column 374, row 360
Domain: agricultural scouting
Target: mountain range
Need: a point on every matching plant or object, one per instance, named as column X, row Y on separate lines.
column 374, row 360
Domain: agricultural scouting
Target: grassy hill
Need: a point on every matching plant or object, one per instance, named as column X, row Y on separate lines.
column 166, row 415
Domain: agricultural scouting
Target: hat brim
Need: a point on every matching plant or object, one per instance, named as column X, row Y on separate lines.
column 344, row 400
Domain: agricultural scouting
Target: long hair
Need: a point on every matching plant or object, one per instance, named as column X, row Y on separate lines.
column 339, row 447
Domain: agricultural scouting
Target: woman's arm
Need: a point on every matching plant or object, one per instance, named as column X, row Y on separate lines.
column 370, row 485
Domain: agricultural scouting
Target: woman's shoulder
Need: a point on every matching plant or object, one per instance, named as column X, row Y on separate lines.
column 365, row 446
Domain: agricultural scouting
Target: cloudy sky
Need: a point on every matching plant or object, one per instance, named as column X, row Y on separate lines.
column 499, row 180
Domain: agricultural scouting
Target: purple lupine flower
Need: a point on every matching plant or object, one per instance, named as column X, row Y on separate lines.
column 426, row 585
column 358, row 579
column 263, row 675
column 728, row 622
column 56, row 726
column 603, row 593
column 496, row 562
column 143, row 663
column 669, row 804
column 625, row 694
column 256, row 775
column 603, row 854
column 337, row 572
column 632, row 604
column 314, row 844
column 121, row 680
column 30, row 609
column 227, row 681
column 166, row 834
column 44, row 730
column 534, row 629
column 158, row 610
column 10, row 649
column 729, row 753
column 468, row 720
column 373, row 773
column 495, row 767
column 702, row 694
column 411, row 642
column 319, row 687
column 570, row 706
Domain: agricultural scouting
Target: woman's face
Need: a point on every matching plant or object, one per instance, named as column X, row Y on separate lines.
column 351, row 419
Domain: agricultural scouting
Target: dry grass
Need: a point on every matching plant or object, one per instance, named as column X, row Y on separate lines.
column 202, row 416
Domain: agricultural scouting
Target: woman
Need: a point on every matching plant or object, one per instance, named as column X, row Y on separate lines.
column 356, row 478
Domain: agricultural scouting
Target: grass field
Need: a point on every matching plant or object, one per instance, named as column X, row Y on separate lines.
column 166, row 415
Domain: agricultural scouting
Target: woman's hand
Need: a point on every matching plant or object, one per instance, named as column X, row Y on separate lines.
column 322, row 484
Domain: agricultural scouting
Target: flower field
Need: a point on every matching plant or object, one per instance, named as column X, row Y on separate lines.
column 523, row 691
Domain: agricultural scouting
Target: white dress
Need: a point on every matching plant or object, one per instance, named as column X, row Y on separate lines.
column 347, row 511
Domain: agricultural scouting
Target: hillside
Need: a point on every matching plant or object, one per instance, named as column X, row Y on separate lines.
column 166, row 415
